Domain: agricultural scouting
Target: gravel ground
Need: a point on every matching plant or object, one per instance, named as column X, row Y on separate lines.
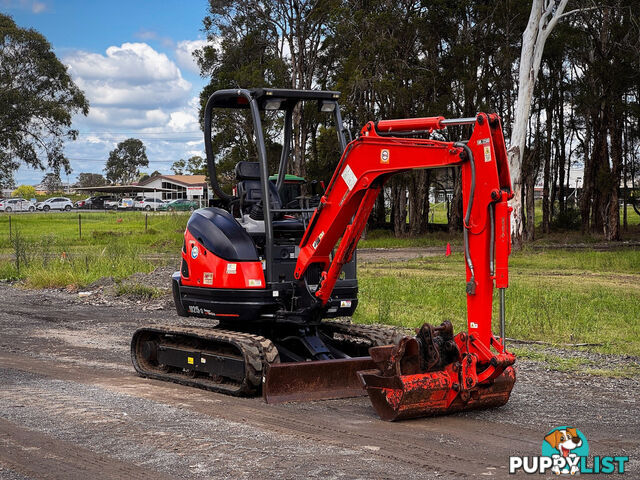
column 72, row 407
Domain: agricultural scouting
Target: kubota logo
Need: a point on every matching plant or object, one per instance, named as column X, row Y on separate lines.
column 565, row 450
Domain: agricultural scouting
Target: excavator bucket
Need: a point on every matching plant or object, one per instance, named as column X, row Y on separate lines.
column 317, row 380
column 435, row 373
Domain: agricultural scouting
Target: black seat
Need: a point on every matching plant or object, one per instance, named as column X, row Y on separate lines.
column 249, row 193
column 248, row 188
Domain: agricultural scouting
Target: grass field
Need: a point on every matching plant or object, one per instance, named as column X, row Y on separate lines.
column 47, row 250
column 556, row 295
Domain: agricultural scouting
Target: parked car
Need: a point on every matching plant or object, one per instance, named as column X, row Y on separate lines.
column 179, row 205
column 111, row 204
column 16, row 205
column 97, row 202
column 147, row 203
column 128, row 203
column 81, row 203
column 55, row 203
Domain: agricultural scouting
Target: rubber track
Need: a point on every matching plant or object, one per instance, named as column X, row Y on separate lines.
column 374, row 335
column 256, row 350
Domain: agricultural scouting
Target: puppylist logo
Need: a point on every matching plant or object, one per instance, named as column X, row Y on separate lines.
column 565, row 450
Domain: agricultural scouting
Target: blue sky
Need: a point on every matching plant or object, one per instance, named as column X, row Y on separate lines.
column 133, row 61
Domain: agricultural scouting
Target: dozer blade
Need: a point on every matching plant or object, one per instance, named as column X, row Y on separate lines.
column 427, row 394
column 317, row 380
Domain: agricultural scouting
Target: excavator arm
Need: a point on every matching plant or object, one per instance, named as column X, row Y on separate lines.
column 434, row 372
column 381, row 152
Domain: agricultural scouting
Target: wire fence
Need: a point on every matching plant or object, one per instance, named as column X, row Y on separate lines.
column 82, row 246
column 77, row 228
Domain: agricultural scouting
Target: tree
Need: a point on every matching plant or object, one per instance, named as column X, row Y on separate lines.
column 196, row 165
column 37, row 101
column 544, row 16
column 52, row 183
column 24, row 191
column 178, row 167
column 91, row 180
column 6, row 175
column 125, row 160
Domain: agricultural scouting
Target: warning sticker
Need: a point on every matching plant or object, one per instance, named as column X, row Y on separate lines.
column 349, row 177
column 232, row 268
column 207, row 278
column 384, row 156
column 316, row 242
column 190, row 360
column 487, row 153
column 483, row 141
column 255, row 283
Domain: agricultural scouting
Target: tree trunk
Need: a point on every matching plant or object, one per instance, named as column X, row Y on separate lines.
column 546, row 210
column 455, row 209
column 399, row 206
column 615, row 133
column 562, row 159
column 545, row 14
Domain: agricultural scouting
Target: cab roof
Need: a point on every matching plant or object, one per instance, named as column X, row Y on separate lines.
column 288, row 96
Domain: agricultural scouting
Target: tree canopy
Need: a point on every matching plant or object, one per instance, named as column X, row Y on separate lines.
column 195, row 165
column 91, row 180
column 407, row 58
column 24, row 191
column 52, row 183
column 123, row 165
column 38, row 99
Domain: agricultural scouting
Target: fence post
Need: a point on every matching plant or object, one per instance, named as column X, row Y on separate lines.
column 10, row 227
column 79, row 225
column 146, row 219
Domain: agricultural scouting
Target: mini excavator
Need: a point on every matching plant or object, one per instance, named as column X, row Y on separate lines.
column 275, row 279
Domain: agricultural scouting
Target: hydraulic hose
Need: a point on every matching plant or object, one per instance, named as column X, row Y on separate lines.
column 471, row 285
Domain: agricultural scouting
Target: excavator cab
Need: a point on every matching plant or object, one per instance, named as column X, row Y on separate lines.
column 273, row 277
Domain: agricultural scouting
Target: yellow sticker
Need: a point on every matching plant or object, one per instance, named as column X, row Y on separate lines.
column 384, row 156
column 190, row 360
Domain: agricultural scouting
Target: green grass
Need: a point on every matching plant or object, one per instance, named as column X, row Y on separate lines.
column 557, row 296
column 561, row 296
column 573, row 364
column 113, row 244
column 98, row 229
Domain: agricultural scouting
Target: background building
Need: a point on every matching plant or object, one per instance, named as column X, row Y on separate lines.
column 193, row 187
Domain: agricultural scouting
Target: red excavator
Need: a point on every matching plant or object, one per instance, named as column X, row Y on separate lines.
column 275, row 279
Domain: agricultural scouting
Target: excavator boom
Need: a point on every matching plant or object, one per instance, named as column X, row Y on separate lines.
column 478, row 359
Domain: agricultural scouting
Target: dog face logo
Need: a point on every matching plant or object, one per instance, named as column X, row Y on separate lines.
column 568, row 443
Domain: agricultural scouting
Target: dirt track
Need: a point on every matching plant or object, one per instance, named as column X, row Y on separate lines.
column 71, row 407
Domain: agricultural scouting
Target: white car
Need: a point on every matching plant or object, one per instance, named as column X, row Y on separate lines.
column 55, row 203
column 16, row 205
column 111, row 204
column 126, row 203
column 147, row 203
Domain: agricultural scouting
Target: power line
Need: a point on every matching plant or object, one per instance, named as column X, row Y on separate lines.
column 105, row 160
column 142, row 133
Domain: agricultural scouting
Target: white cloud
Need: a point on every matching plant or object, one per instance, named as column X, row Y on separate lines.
column 184, row 54
column 132, row 74
column 133, row 91
column 34, row 5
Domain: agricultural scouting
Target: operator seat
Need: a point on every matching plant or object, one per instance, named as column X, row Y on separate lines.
column 249, row 193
